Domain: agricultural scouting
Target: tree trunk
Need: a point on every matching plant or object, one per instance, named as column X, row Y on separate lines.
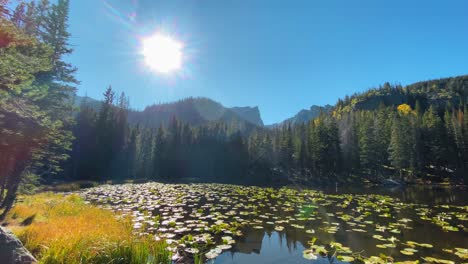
column 12, row 184
column 2, row 188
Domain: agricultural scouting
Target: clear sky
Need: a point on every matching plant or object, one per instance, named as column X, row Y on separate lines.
column 281, row 56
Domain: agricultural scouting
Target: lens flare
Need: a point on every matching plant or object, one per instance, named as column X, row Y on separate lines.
column 162, row 53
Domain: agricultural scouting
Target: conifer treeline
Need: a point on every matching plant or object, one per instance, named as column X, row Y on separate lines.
column 414, row 133
column 409, row 142
column 394, row 141
column 106, row 148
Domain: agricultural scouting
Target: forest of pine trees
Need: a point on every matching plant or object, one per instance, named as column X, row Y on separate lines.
column 412, row 143
column 107, row 148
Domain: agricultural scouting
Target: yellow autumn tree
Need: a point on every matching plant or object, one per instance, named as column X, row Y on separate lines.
column 404, row 109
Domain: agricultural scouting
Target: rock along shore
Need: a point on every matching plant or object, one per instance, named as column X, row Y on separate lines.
column 12, row 250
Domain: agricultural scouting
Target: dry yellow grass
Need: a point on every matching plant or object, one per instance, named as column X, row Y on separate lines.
column 63, row 229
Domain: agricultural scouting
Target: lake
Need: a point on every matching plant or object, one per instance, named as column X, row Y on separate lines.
column 238, row 224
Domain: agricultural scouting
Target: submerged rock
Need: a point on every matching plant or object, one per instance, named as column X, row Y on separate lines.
column 12, row 250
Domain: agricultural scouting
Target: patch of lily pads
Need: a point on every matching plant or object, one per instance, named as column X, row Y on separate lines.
column 201, row 221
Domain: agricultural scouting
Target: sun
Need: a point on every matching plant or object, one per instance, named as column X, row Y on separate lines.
column 162, row 53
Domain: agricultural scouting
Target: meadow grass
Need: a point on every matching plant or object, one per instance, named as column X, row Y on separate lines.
column 64, row 229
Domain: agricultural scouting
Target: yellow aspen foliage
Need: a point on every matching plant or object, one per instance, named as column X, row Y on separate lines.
column 404, row 109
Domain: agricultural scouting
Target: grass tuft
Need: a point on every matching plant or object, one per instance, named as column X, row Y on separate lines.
column 64, row 229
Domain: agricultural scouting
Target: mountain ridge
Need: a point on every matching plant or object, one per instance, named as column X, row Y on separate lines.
column 199, row 110
column 304, row 115
column 193, row 110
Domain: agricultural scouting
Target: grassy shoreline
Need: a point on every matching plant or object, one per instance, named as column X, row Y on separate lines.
column 64, row 229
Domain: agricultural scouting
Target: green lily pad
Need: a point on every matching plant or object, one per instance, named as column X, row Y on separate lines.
column 462, row 253
column 345, row 258
column 436, row 260
column 405, row 252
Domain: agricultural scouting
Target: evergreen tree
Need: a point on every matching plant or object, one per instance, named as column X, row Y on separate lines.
column 106, row 134
column 287, row 148
column 367, row 144
column 401, row 142
column 50, row 24
column 131, row 154
column 19, row 15
column 42, row 138
column 382, row 135
column 83, row 156
column 158, row 154
column 434, row 139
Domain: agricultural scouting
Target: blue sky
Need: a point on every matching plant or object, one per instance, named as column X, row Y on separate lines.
column 282, row 56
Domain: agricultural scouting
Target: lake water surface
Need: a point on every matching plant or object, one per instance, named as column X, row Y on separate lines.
column 287, row 247
column 267, row 225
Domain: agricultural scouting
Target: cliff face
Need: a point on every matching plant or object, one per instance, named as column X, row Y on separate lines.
column 305, row 115
column 251, row 114
column 12, row 250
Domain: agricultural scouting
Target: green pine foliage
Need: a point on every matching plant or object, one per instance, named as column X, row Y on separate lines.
column 36, row 88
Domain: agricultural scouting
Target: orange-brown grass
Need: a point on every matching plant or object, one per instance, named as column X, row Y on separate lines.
column 66, row 230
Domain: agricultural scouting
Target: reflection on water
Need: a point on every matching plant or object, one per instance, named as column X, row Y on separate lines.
column 259, row 246
column 430, row 195
column 266, row 247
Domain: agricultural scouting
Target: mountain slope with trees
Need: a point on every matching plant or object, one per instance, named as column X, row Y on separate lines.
column 415, row 133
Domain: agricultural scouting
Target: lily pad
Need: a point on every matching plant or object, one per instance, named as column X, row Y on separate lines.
column 406, row 252
column 436, row 260
column 279, row 228
column 309, row 254
column 345, row 258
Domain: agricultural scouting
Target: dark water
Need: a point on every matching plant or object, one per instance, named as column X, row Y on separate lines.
column 429, row 195
column 269, row 246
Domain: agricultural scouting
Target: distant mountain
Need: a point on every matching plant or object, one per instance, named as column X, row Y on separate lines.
column 93, row 103
column 251, row 114
column 195, row 111
column 440, row 93
column 305, row 115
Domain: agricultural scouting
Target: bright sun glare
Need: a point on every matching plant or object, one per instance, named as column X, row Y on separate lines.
column 162, row 53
